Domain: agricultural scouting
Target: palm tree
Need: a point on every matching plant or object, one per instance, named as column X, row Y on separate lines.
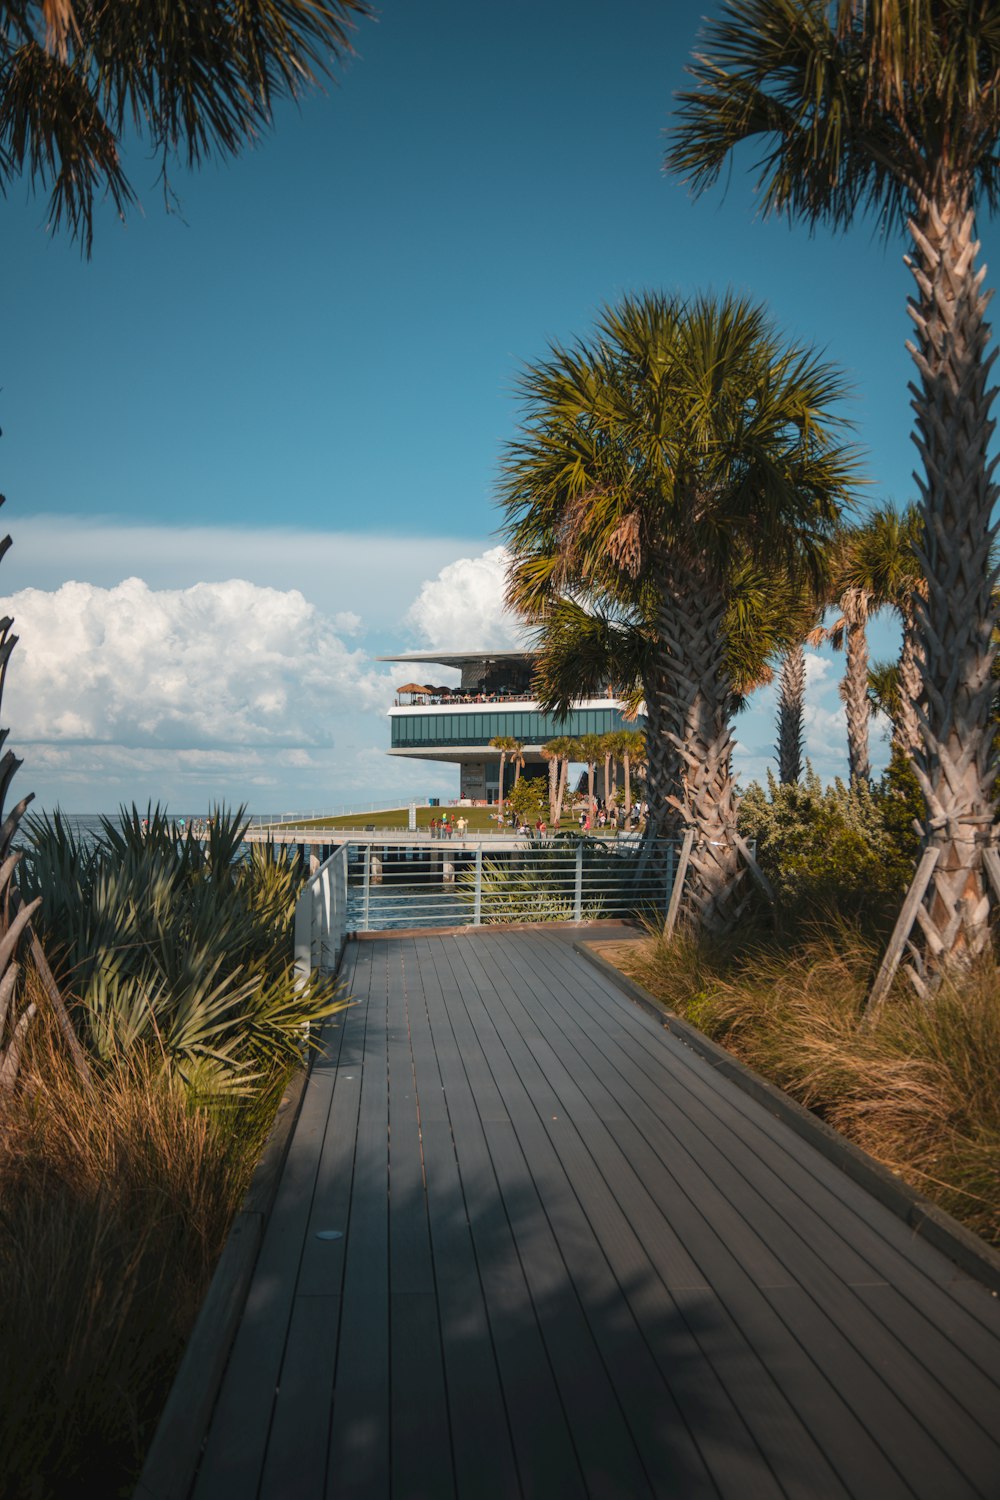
column 884, row 560
column 562, row 751
column 609, row 754
column 507, row 745
column 791, row 704
column 850, row 635
column 591, row 748
column 680, row 443
column 516, row 754
column 877, row 568
column 192, row 81
column 632, row 752
column 894, row 106
column 552, row 758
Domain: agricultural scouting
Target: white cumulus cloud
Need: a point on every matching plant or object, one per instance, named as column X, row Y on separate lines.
column 462, row 608
column 212, row 666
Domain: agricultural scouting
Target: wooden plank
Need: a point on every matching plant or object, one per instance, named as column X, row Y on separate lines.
column 297, row 1444
column 607, row 1452
column 234, row 1450
column 805, row 1199
column 807, row 1393
column 173, row 1455
column 677, row 885
column 902, row 929
column 932, row 1406
column 420, row 1428
column 633, row 1320
column 480, row 1436
column 546, row 1458
column 358, row 1462
column 655, row 1205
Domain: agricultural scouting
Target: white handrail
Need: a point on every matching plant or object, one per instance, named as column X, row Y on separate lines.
column 321, row 917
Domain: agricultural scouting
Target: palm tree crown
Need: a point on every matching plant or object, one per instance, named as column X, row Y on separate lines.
column 861, row 105
column 191, row 80
column 682, row 446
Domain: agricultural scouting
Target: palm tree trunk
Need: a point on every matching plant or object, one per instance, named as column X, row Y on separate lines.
column 591, row 766
column 554, row 790
column 627, row 768
column 791, row 700
column 664, row 766
column 697, row 712
column 503, row 758
column 955, row 761
column 563, row 777
column 911, row 666
column 855, row 687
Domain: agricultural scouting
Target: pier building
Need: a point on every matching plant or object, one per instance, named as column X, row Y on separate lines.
column 494, row 697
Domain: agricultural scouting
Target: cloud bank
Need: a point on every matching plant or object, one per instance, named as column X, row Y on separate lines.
column 209, row 667
column 462, row 609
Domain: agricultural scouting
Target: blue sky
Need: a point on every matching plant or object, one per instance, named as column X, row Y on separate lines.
column 303, row 382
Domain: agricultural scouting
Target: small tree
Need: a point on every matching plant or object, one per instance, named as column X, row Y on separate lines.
column 528, row 800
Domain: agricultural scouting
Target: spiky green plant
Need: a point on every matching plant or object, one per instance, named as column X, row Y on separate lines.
column 175, row 946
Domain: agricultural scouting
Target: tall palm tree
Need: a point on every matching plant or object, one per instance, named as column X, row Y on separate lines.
column 850, row 635
column 516, row 754
column 552, row 760
column 191, row 81
column 631, row 753
column 507, row 745
column 877, row 568
column 563, row 749
column 894, row 106
column 591, row 748
column 682, row 441
column 791, row 706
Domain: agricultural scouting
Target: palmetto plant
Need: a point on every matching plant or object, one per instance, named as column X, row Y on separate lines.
column 192, row 81
column 174, row 947
column 681, row 443
column 893, row 107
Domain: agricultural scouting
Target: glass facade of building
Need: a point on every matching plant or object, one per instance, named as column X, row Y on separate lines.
column 434, row 730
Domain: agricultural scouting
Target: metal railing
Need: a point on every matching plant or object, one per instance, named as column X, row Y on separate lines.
column 321, row 924
column 444, row 884
column 262, row 822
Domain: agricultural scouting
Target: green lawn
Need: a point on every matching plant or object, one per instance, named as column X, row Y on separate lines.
column 479, row 819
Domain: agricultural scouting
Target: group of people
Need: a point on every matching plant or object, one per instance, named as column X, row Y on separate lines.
column 446, row 826
column 610, row 817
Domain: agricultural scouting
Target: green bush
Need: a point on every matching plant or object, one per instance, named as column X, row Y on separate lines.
column 840, row 850
column 175, row 946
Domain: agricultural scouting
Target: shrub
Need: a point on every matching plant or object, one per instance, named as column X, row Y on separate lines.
column 835, row 850
column 175, row 947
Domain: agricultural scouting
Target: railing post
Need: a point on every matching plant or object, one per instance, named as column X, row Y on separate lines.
column 368, row 886
column 578, row 892
column 477, row 907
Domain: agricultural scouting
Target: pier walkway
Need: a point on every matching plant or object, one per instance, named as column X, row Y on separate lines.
column 527, row 1243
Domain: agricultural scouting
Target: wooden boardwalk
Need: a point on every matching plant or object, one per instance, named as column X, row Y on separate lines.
column 528, row 1244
